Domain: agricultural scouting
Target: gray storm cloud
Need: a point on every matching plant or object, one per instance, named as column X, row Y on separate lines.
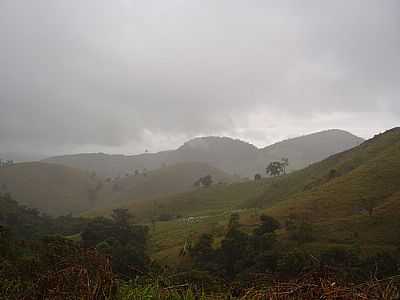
column 124, row 75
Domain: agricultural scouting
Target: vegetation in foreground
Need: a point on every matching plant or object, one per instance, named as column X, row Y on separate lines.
column 110, row 262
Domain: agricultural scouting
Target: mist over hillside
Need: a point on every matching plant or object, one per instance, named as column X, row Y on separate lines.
column 199, row 150
column 51, row 188
column 61, row 190
column 232, row 156
column 81, row 182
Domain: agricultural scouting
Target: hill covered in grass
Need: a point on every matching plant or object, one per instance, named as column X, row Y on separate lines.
column 334, row 174
column 59, row 190
column 232, row 156
column 53, row 189
column 351, row 197
column 165, row 181
column 367, row 172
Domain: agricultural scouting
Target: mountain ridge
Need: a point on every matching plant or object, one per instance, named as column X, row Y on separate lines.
column 232, row 156
column 349, row 198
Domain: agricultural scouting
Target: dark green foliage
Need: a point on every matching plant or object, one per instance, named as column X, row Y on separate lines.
column 203, row 251
column 268, row 225
column 332, row 174
column 380, row 265
column 233, row 223
column 164, row 217
column 369, row 203
column 277, row 168
column 238, row 251
column 339, row 258
column 6, row 242
column 285, row 163
column 233, row 251
column 37, row 265
column 116, row 237
column 294, row 262
column 299, row 229
column 349, row 264
column 121, row 216
column 274, row 169
column 28, row 224
column 257, row 177
column 241, row 254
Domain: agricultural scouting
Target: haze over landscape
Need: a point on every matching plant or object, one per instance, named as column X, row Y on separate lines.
column 182, row 150
column 125, row 76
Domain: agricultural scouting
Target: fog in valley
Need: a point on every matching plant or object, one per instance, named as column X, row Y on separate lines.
column 210, row 150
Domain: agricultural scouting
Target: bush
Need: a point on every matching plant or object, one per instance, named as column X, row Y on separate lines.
column 165, row 217
column 294, row 262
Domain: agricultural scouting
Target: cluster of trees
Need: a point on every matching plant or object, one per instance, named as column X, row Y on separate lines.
column 36, row 255
column 135, row 173
column 27, row 223
column 277, row 168
column 120, row 239
column 205, row 181
column 37, row 259
column 238, row 250
column 6, row 163
column 241, row 253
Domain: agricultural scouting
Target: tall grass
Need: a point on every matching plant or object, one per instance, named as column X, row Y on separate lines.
column 131, row 291
column 308, row 287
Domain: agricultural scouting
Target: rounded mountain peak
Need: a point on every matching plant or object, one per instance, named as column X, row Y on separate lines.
column 211, row 143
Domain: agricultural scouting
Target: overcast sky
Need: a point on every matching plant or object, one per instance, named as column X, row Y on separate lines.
column 122, row 76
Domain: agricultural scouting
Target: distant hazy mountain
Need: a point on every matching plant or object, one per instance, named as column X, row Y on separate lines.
column 311, row 148
column 21, row 156
column 230, row 155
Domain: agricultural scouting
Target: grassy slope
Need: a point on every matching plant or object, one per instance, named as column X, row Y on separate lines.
column 51, row 188
column 139, row 190
column 362, row 160
column 333, row 204
column 58, row 190
column 369, row 173
column 200, row 202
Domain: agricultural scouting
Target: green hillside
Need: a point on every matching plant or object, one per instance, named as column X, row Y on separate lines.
column 213, row 200
column 58, row 190
column 341, row 185
column 350, row 197
column 163, row 182
column 360, row 200
column 53, row 189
